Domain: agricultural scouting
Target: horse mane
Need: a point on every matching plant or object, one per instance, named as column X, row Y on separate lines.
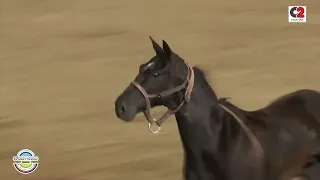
column 200, row 72
column 225, row 100
column 203, row 74
column 202, row 77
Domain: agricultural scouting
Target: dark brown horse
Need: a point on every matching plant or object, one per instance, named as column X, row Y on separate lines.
column 220, row 140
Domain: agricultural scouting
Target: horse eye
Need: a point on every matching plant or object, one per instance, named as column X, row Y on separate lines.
column 155, row 74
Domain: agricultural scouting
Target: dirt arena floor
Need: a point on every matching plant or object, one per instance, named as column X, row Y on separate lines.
column 64, row 62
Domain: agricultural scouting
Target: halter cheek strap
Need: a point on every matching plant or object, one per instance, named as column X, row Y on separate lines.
column 188, row 84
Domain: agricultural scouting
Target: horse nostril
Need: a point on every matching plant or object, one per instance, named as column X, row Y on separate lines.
column 122, row 109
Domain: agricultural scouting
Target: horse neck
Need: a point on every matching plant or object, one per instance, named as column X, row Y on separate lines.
column 195, row 116
column 205, row 130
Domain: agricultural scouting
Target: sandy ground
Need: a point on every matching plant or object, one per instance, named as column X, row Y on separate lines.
column 64, row 62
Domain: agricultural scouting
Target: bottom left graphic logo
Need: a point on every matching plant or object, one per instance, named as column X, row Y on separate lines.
column 26, row 161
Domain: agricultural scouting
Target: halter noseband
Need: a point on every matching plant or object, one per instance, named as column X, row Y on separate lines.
column 188, row 84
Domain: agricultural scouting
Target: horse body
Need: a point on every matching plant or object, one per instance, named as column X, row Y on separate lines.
column 216, row 146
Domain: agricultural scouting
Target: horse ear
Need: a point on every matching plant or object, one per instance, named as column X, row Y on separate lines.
column 166, row 48
column 156, row 47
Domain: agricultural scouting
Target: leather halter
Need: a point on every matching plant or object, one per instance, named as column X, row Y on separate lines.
column 187, row 84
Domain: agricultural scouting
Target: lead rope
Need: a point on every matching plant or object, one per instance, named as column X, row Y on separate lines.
column 255, row 142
